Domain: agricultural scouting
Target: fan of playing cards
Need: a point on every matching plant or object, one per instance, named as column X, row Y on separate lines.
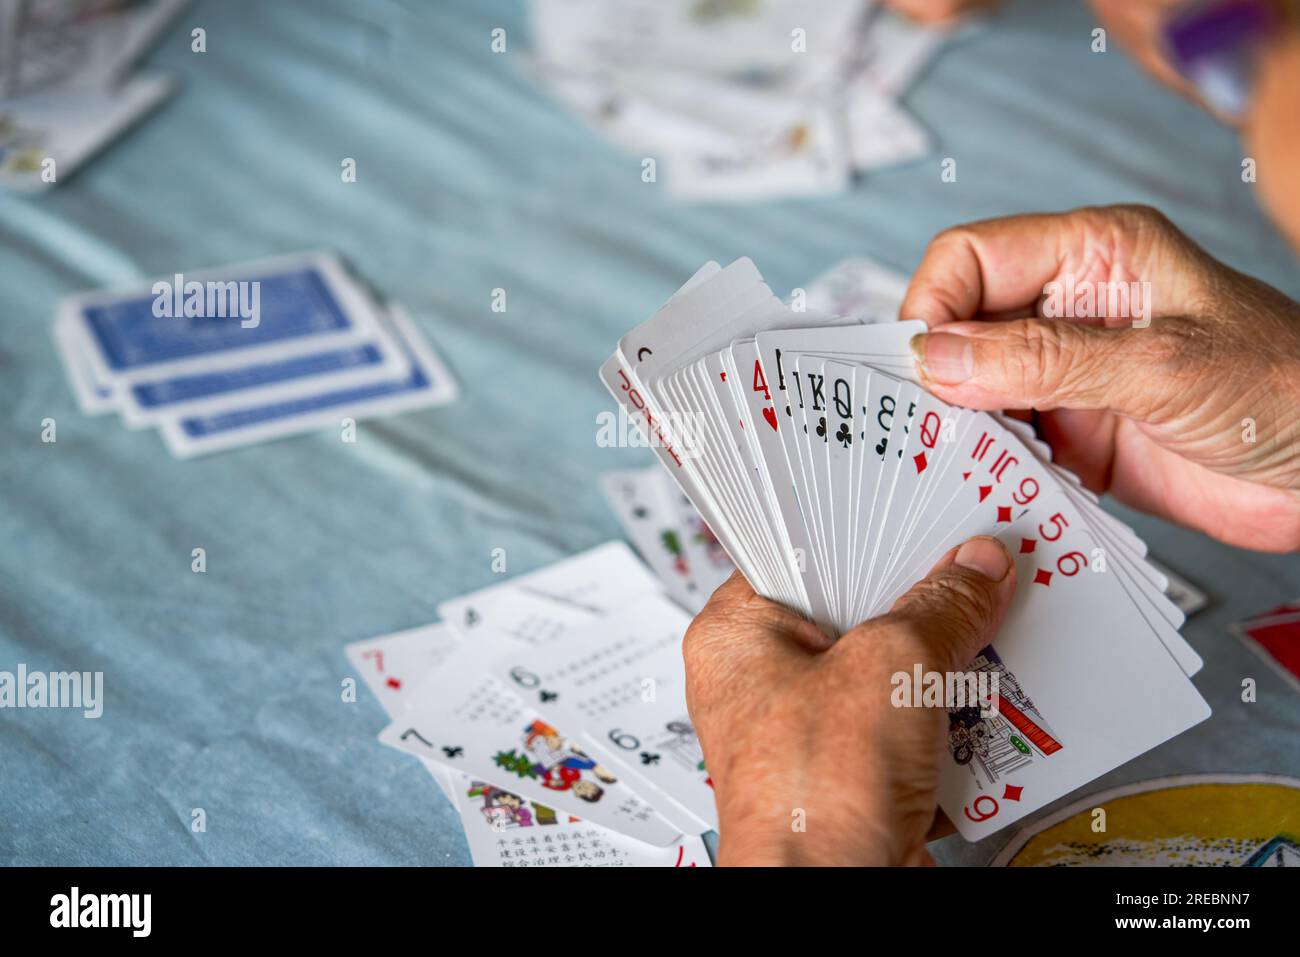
column 835, row 482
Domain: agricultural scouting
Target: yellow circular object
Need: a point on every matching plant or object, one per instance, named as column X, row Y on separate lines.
column 1201, row 820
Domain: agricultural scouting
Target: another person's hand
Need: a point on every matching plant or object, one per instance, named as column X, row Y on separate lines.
column 938, row 11
column 1195, row 417
column 1270, row 128
column 810, row 761
column 1272, row 134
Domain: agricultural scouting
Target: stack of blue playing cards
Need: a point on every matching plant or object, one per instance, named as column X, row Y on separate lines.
column 237, row 354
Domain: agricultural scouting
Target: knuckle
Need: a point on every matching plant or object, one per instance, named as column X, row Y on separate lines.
column 1138, row 218
column 1055, row 361
column 902, row 639
column 964, row 602
column 696, row 640
column 699, row 631
column 952, row 236
column 1175, row 357
column 1141, row 214
column 953, row 603
column 1034, row 359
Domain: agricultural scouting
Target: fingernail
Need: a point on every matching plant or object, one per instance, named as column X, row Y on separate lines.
column 985, row 555
column 943, row 358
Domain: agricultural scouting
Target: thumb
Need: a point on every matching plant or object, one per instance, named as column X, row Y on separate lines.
column 956, row 609
column 1048, row 364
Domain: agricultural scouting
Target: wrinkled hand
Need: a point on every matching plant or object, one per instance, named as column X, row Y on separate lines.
column 1193, row 418
column 1272, row 133
column 798, row 730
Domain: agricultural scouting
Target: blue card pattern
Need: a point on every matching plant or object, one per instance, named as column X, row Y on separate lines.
column 292, row 304
column 152, row 395
column 416, row 381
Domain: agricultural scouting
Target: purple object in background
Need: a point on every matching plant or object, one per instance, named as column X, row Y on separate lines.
column 1214, row 48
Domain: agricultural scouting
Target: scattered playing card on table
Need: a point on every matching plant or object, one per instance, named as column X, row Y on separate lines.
column 1181, row 592
column 621, row 682
column 1275, row 637
column 65, row 86
column 858, row 289
column 740, row 101
column 45, row 137
column 668, row 533
column 504, row 830
column 538, row 783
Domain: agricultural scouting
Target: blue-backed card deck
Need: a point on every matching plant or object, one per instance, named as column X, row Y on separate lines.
column 197, row 395
column 427, row 383
column 240, row 354
column 231, row 317
column 93, row 396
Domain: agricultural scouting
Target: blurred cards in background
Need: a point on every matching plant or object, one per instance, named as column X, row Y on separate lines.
column 66, row 87
column 668, row 532
column 740, row 99
column 238, row 354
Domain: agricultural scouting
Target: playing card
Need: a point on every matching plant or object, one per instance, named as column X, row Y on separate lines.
column 707, row 559
column 858, row 288
column 898, row 50
column 93, row 397
column 220, row 318
column 1077, row 696
column 1181, row 592
column 200, row 395
column 724, row 40
column 1275, row 637
column 494, row 818
column 393, row 665
column 649, row 517
column 515, row 615
column 75, row 47
column 505, row 830
column 881, row 133
column 593, row 582
column 512, row 619
column 622, row 683
column 468, row 720
column 736, row 101
column 46, row 136
column 426, row 383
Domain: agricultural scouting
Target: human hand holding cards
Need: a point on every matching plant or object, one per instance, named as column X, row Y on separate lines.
column 835, row 482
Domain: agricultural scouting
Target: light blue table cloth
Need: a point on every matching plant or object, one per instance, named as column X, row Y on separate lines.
column 223, row 689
